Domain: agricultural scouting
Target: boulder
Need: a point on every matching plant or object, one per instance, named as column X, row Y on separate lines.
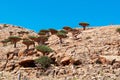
column 111, row 57
column 27, row 63
column 65, row 61
column 101, row 60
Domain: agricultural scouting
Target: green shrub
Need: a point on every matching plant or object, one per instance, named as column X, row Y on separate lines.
column 43, row 62
column 61, row 34
column 118, row 30
column 63, row 31
column 44, row 49
column 32, row 37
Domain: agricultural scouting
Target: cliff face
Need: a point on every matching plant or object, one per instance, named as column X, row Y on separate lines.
column 94, row 54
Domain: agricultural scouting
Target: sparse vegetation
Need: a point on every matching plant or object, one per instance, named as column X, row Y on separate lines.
column 14, row 40
column 28, row 42
column 84, row 25
column 43, row 62
column 44, row 49
column 5, row 41
column 61, row 35
column 33, row 38
column 45, row 31
column 89, row 50
column 63, row 31
column 40, row 40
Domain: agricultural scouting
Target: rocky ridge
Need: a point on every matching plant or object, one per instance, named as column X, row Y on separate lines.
column 89, row 57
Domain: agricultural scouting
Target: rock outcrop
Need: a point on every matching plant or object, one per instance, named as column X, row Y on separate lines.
column 93, row 55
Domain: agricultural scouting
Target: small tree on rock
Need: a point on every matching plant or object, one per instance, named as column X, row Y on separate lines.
column 33, row 38
column 28, row 42
column 44, row 49
column 61, row 35
column 14, row 40
column 46, row 32
column 40, row 40
column 84, row 25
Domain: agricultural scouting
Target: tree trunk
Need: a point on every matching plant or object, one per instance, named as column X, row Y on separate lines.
column 34, row 45
column 27, row 47
column 15, row 44
column 84, row 27
column 60, row 42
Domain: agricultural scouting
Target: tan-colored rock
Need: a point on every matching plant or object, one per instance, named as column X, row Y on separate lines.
column 111, row 57
column 65, row 61
column 101, row 60
column 97, row 44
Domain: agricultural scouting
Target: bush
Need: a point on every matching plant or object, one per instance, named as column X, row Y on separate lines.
column 63, row 31
column 43, row 62
column 61, row 34
column 32, row 37
column 118, row 30
column 44, row 49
